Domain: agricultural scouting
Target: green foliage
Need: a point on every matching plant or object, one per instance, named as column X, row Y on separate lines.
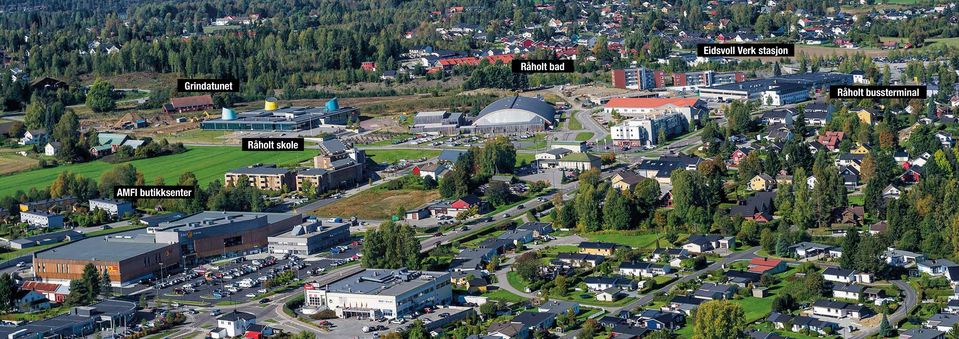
column 100, row 97
column 719, row 319
column 391, row 246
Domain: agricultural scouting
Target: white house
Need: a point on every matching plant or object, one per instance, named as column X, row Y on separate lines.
column 232, row 324
column 113, row 207
column 34, row 137
column 847, row 291
column 900, row 258
column 839, row 275
column 934, row 266
column 51, row 149
column 837, row 309
column 643, row 269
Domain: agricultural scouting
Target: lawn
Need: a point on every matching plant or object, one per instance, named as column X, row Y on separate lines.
column 516, row 281
column 503, row 295
column 376, row 204
column 394, row 155
column 524, row 158
column 755, row 308
column 584, row 136
column 628, row 238
column 207, row 163
column 538, row 141
column 199, row 136
column 590, row 299
column 574, row 123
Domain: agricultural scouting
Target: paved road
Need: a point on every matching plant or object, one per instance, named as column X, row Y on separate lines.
column 648, row 298
column 910, row 301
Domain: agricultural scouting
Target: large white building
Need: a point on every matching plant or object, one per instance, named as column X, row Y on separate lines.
column 113, row 207
column 646, row 132
column 692, row 109
column 381, row 293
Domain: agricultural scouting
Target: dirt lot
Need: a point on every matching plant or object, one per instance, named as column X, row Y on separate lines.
column 377, row 204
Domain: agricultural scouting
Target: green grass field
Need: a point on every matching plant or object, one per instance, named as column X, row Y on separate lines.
column 516, row 281
column 628, row 238
column 207, row 163
column 584, row 136
column 755, row 308
column 503, row 295
column 574, row 123
column 524, row 158
column 394, row 155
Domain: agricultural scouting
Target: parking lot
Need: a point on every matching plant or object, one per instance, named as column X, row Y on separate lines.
column 242, row 279
column 368, row 328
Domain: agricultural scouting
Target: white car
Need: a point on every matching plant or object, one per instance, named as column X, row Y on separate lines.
column 250, row 295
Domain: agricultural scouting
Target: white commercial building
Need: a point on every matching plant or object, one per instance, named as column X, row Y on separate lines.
column 114, row 207
column 381, row 293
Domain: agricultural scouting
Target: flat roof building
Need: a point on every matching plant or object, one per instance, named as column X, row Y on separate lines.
column 42, row 219
column 386, row 293
column 265, row 177
column 271, row 118
column 309, row 238
column 132, row 256
column 81, row 321
column 118, row 208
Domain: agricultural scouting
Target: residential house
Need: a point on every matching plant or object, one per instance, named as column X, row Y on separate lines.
column 762, row 182
column 539, row 229
column 643, row 269
column 941, row 322
column 713, row 291
column 674, row 256
column 434, row 171
column 34, row 137
column 27, row 301
column 766, row 266
column 807, row 249
column 901, row 258
column 535, row 321
column 838, row 309
column 936, row 267
column 922, row 333
column 53, row 292
column 52, row 148
column 847, row 291
column 758, row 207
column 579, row 259
column 831, row 140
column 597, row 248
column 559, row 307
column 742, row 278
column 508, row 330
column 625, row 180
column 610, row 294
column 684, row 304
column 603, row 283
column 840, row 275
column 659, row 320
column 699, row 243
column 818, row 114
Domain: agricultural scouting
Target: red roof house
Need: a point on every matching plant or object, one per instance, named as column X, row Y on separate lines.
column 766, row 265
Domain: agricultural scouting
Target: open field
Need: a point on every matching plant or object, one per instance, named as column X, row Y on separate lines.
column 198, row 136
column 12, row 163
column 207, row 163
column 377, row 203
column 824, row 51
column 140, row 80
column 627, row 238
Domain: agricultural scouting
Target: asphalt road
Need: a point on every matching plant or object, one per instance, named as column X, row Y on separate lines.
column 910, row 301
column 648, row 298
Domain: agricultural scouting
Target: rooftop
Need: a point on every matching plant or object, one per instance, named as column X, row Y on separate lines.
column 384, row 282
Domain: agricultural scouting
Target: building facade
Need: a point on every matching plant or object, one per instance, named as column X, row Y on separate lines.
column 381, row 293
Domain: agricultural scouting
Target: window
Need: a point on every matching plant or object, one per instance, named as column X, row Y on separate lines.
column 232, row 241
